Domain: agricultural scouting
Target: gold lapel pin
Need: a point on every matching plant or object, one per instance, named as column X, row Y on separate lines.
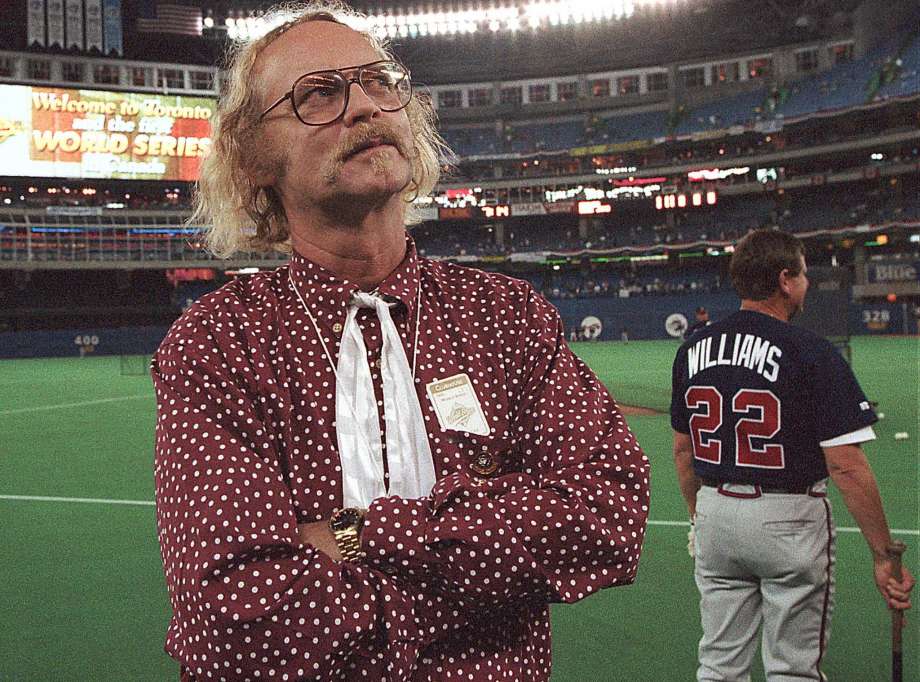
column 484, row 464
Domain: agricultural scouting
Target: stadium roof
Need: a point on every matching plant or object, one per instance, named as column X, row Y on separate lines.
column 656, row 32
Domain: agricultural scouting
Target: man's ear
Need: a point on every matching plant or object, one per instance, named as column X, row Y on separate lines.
column 783, row 280
column 261, row 174
column 262, row 177
column 261, row 170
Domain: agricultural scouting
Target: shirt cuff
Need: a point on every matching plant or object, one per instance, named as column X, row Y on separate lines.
column 858, row 436
column 398, row 531
column 394, row 529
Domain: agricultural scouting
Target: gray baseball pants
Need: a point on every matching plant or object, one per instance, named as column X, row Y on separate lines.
column 763, row 561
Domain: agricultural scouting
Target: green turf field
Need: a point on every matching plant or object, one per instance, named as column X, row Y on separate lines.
column 82, row 593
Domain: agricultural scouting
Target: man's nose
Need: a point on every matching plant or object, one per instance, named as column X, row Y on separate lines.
column 360, row 106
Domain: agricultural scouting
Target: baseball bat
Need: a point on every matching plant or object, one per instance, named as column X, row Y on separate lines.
column 895, row 550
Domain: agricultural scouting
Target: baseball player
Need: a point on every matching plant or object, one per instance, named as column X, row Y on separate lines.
column 763, row 412
column 702, row 320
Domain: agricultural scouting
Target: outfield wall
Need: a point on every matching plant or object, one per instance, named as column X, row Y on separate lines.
column 657, row 317
column 77, row 342
column 642, row 317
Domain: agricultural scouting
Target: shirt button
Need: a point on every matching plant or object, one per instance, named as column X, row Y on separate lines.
column 337, row 327
column 484, row 464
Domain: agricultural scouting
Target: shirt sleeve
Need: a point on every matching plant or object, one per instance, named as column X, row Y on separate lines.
column 246, row 594
column 572, row 522
column 862, row 435
column 680, row 419
column 840, row 404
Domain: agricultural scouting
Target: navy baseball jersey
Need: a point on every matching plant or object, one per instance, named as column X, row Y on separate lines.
column 758, row 396
column 695, row 327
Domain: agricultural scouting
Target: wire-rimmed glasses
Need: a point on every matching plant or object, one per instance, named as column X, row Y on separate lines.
column 321, row 97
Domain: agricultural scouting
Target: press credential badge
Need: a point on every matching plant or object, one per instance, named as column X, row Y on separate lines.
column 456, row 405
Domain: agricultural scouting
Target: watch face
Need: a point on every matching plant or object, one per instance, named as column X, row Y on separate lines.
column 346, row 518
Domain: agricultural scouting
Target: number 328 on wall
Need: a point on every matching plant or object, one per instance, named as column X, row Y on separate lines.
column 758, row 416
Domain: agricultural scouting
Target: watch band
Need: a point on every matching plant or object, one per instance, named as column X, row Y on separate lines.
column 345, row 525
column 349, row 544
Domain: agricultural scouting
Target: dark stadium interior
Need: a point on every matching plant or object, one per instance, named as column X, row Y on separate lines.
column 655, row 34
column 570, row 142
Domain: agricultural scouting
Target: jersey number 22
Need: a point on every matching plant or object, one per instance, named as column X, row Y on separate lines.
column 758, row 416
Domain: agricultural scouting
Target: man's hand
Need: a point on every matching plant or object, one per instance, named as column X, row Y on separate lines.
column 683, row 462
column 896, row 593
column 319, row 536
column 691, row 538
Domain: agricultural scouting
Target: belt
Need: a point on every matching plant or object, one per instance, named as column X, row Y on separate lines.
column 762, row 489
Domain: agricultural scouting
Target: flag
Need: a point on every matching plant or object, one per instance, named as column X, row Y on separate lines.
column 56, row 23
column 93, row 23
column 36, row 23
column 112, row 35
column 74, row 24
column 169, row 18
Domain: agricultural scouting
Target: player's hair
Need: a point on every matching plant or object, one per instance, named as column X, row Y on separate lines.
column 758, row 260
column 235, row 213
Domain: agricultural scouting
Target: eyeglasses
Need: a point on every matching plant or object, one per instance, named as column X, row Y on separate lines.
column 321, row 97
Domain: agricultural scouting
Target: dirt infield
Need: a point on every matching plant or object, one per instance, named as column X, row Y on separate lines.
column 637, row 409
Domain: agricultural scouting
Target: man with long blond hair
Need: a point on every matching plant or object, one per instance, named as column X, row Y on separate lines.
column 370, row 465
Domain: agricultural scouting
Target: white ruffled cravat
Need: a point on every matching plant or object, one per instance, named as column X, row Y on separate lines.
column 411, row 467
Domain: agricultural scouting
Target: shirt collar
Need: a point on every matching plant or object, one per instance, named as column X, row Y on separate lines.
column 400, row 285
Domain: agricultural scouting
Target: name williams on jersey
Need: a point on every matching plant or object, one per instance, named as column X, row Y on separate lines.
column 738, row 350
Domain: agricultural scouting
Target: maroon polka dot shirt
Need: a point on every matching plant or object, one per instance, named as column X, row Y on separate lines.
column 549, row 507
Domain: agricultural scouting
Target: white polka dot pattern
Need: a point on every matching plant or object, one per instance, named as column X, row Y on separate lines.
column 550, row 506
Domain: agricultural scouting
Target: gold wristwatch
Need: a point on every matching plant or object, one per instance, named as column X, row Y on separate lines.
column 345, row 525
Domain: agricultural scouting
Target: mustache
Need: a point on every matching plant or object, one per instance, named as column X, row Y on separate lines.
column 379, row 132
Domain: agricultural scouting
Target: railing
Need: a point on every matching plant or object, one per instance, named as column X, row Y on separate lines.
column 30, row 239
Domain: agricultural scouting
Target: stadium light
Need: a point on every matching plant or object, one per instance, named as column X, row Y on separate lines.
column 469, row 18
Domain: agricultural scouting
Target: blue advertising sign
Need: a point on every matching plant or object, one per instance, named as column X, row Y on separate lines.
column 893, row 271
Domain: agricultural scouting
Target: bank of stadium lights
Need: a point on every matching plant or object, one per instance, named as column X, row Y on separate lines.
column 249, row 27
column 465, row 21
column 533, row 15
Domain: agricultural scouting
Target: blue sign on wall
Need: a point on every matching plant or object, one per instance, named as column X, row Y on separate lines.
column 893, row 271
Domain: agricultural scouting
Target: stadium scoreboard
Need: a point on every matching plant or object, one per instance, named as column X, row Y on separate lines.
column 51, row 132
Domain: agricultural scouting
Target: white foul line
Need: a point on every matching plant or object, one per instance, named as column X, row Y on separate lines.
column 147, row 503
column 85, row 500
column 42, row 408
column 839, row 529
